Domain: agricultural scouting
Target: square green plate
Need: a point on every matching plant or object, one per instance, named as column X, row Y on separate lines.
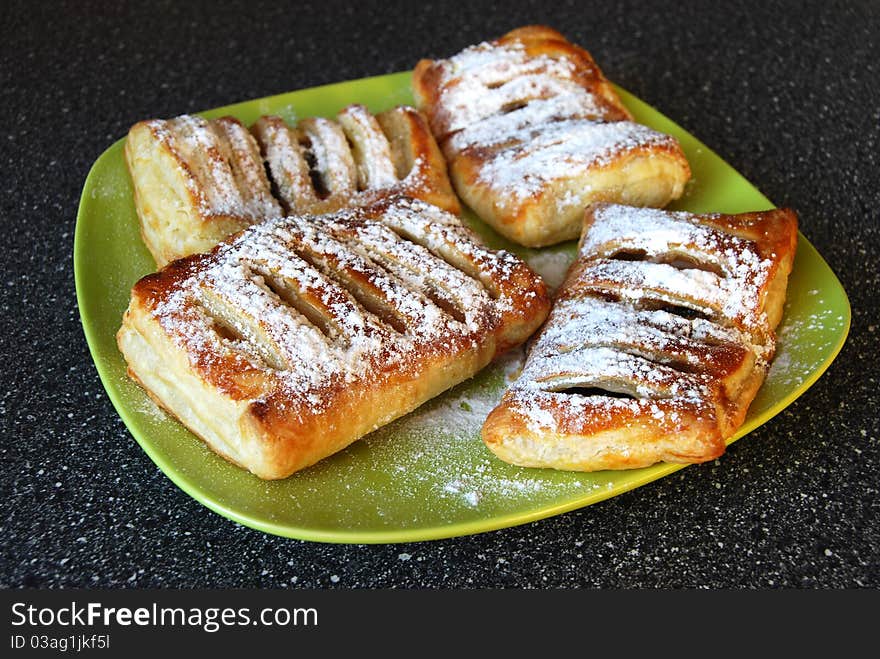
column 427, row 475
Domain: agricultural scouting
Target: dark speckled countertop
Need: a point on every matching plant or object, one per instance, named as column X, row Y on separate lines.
column 788, row 93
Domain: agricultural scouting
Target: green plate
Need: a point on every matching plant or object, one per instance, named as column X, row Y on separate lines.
column 427, row 475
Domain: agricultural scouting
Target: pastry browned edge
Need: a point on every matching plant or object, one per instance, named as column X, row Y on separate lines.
column 199, row 180
column 533, row 133
column 299, row 335
column 657, row 343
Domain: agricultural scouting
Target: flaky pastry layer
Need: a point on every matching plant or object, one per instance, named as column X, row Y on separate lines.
column 658, row 341
column 321, row 165
column 197, row 181
column 299, row 335
column 533, row 133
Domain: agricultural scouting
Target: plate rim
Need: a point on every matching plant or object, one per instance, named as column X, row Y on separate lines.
column 418, row 534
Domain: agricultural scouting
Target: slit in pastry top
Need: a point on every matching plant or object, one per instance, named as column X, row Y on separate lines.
column 658, row 341
column 319, row 165
column 197, row 180
column 299, row 335
column 534, row 132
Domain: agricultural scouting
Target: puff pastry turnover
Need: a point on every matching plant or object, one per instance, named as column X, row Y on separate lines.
column 321, row 165
column 658, row 341
column 299, row 335
column 533, row 133
column 197, row 181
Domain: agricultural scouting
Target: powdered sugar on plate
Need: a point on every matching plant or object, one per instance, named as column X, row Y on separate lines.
column 810, row 334
column 445, row 433
column 551, row 264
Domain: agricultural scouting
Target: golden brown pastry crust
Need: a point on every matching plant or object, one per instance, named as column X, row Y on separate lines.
column 531, row 63
column 320, row 165
column 533, row 133
column 197, row 181
column 299, row 335
column 659, row 339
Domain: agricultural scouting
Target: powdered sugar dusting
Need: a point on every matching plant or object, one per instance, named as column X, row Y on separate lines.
column 813, row 337
column 527, row 114
column 284, row 159
column 483, row 80
column 211, row 166
column 247, row 167
column 256, row 285
column 148, row 409
column 495, row 129
column 664, row 365
column 535, row 157
column 333, row 159
column 319, row 166
column 348, row 162
column 373, row 154
column 733, row 295
column 446, row 431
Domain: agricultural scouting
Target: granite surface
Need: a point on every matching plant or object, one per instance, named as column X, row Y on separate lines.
column 787, row 93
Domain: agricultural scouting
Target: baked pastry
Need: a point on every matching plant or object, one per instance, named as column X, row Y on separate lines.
column 301, row 334
column 533, row 133
column 656, row 345
column 321, row 165
column 197, row 181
